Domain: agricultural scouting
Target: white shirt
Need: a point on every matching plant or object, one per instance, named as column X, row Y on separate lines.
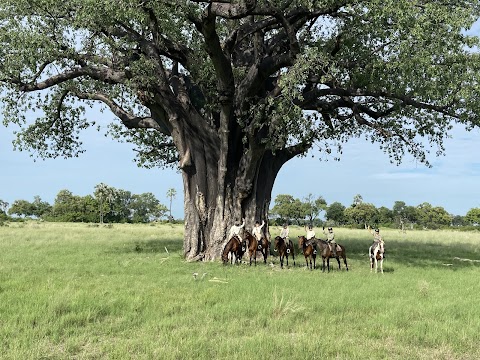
column 257, row 231
column 310, row 234
column 235, row 230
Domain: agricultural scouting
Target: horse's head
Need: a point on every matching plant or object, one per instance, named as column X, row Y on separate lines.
column 301, row 240
column 278, row 240
column 250, row 238
column 378, row 250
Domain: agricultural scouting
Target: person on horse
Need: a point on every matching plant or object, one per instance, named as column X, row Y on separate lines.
column 310, row 236
column 257, row 230
column 331, row 240
column 285, row 232
column 310, row 232
column 235, row 230
column 377, row 240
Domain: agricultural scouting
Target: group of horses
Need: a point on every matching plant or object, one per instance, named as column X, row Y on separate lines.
column 236, row 247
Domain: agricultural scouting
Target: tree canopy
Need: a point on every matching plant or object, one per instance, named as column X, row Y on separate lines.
column 230, row 90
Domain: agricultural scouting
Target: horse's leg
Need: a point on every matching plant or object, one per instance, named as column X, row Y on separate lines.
column 345, row 261
column 381, row 265
column 314, row 261
column 376, row 264
column 338, row 261
column 281, row 261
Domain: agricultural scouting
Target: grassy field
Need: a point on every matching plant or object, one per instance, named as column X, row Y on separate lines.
column 76, row 291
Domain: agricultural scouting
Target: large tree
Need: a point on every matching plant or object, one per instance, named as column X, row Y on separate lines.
column 231, row 90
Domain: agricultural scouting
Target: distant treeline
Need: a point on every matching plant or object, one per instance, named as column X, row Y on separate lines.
column 288, row 209
column 110, row 205
column 106, row 205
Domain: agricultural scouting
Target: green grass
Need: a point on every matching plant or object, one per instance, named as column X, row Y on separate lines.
column 74, row 291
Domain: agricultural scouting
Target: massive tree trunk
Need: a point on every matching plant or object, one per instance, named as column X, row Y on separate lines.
column 216, row 196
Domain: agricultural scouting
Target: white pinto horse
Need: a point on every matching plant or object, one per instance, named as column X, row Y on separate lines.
column 376, row 255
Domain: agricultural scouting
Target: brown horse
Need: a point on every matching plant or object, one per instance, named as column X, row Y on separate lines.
column 376, row 252
column 326, row 252
column 252, row 246
column 309, row 250
column 284, row 249
column 234, row 247
column 264, row 247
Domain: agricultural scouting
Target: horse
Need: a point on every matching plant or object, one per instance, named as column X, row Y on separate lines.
column 376, row 252
column 264, row 247
column 326, row 252
column 234, row 247
column 309, row 250
column 284, row 249
column 252, row 246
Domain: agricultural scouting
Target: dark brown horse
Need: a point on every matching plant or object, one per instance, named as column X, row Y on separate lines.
column 252, row 246
column 284, row 249
column 326, row 252
column 234, row 247
column 309, row 250
column 264, row 247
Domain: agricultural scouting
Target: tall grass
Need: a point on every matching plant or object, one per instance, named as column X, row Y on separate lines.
column 74, row 291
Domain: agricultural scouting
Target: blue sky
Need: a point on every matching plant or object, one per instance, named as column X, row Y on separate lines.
column 453, row 182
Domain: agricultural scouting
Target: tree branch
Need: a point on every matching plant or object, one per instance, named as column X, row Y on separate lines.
column 129, row 120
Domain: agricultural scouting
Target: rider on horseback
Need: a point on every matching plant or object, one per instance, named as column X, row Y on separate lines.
column 235, row 229
column 331, row 240
column 285, row 232
column 310, row 237
column 377, row 241
column 257, row 232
